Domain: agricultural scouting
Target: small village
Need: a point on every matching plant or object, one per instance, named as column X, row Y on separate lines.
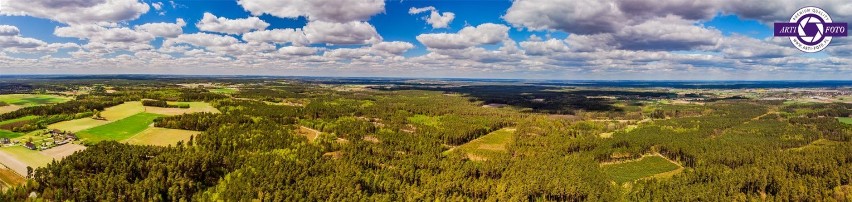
column 52, row 138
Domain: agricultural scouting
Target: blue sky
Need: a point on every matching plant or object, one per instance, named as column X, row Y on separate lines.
column 548, row 39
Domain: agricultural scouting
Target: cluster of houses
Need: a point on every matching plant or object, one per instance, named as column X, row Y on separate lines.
column 59, row 138
column 62, row 137
column 7, row 141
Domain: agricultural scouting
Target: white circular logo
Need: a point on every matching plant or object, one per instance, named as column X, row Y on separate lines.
column 810, row 23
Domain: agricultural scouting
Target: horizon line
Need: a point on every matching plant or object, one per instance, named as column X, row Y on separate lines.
column 399, row 77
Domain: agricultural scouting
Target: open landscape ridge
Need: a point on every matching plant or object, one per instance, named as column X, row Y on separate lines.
column 252, row 138
column 425, row 100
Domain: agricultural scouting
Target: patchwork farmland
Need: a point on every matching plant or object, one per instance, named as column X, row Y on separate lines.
column 129, row 122
column 283, row 140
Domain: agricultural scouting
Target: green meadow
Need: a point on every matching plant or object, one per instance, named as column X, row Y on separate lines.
column 845, row 120
column 119, row 130
column 9, row 134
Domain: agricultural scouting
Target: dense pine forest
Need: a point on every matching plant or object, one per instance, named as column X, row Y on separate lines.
column 294, row 140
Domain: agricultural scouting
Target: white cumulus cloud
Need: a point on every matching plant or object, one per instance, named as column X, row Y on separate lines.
column 298, row 50
column 212, row 23
column 354, row 32
column 163, row 29
column 9, row 30
column 77, row 11
column 279, row 36
column 325, row 10
column 394, row 47
column 104, row 34
column 487, row 33
column 157, row 5
column 435, row 18
column 535, row 46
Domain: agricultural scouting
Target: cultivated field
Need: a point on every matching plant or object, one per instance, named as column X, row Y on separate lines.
column 9, row 108
column 110, row 114
column 633, row 170
column 122, row 111
column 77, row 124
column 18, row 158
column 194, row 107
column 119, row 130
column 489, row 146
column 160, row 136
column 196, row 85
column 61, row 151
column 27, row 100
column 9, row 178
column 223, row 90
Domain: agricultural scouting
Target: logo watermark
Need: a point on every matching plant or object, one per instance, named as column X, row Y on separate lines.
column 810, row 29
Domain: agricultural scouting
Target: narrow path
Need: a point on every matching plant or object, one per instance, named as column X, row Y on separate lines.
column 762, row 115
column 314, row 134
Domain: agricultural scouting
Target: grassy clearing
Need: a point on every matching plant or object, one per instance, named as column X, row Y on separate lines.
column 425, row 120
column 32, row 99
column 845, row 120
column 119, row 130
column 820, row 143
column 645, row 167
column 626, row 129
column 223, row 90
column 669, row 174
column 486, row 147
column 160, row 136
column 194, row 107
